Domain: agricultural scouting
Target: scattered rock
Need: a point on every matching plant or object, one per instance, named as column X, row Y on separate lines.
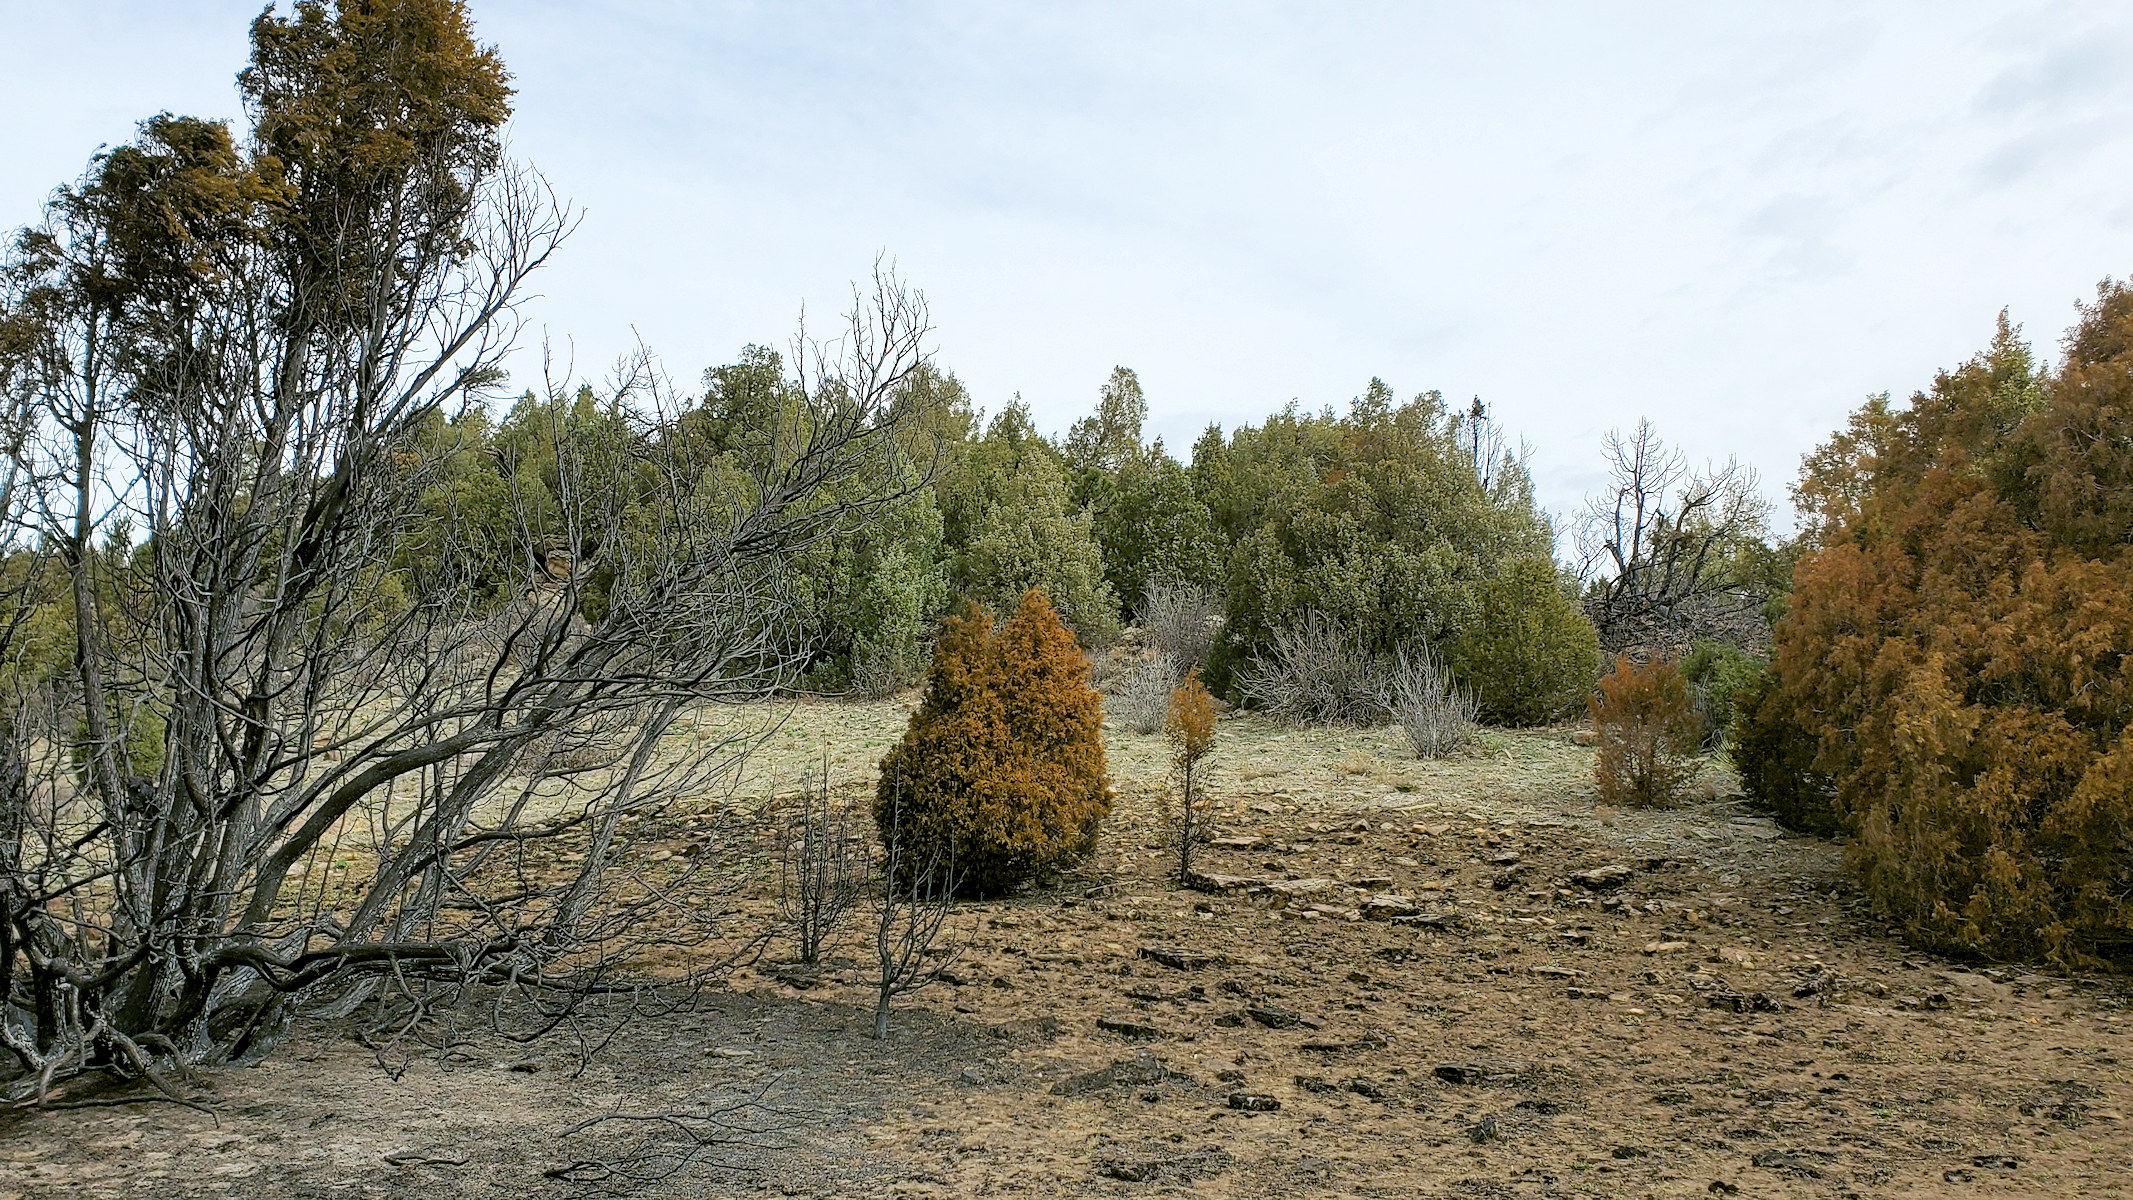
column 1369, row 1089
column 1601, row 879
column 1665, row 947
column 1483, row 1131
column 1554, row 972
column 1182, row 960
column 1129, row 1026
column 1545, row 1108
column 1280, row 893
column 1800, row 1164
column 1741, row 1002
column 1385, row 906
column 1508, row 858
column 1371, row 883
column 1996, row 1162
column 1738, row 956
column 1139, row 1071
column 1273, row 1016
column 1315, row 1083
column 1154, row 1162
column 1254, row 1102
column 1461, row 1073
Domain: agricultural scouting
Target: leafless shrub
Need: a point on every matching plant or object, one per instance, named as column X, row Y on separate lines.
column 912, row 900
column 822, row 868
column 658, row 1147
column 281, row 772
column 1659, row 550
column 1139, row 696
column 1317, row 673
column 1180, row 622
column 1437, row 714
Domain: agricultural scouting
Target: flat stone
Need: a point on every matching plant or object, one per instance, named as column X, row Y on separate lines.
column 1385, row 906
column 1665, row 947
column 1555, row 972
column 1129, row 1026
column 1209, row 881
column 1182, row 960
column 1142, row 1070
column 1461, row 1073
column 1161, row 1162
column 1600, row 879
column 1371, row 883
column 1279, row 893
column 1273, row 1016
column 1254, row 1102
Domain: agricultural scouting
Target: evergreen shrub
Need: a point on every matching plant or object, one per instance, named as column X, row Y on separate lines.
column 1648, row 734
column 1001, row 771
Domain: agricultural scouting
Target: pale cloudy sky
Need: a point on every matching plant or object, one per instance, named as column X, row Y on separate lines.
column 1737, row 220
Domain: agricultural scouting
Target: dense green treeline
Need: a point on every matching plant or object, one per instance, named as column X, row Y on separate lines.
column 1377, row 519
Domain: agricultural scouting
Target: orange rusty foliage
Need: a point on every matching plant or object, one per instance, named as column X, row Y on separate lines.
column 1649, row 733
column 1958, row 649
column 1000, row 775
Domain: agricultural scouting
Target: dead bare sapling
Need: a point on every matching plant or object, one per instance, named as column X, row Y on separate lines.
column 913, row 896
column 822, row 867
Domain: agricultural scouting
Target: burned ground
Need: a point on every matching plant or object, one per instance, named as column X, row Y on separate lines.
column 1422, row 979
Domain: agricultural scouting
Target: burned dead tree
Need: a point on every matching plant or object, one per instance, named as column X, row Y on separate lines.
column 286, row 753
column 1666, row 550
column 913, row 896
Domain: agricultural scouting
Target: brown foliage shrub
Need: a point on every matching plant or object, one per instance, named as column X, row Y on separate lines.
column 1002, row 767
column 1649, row 734
column 1959, row 648
column 1189, row 727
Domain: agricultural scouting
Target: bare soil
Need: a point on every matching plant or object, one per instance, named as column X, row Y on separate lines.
column 1729, row 1019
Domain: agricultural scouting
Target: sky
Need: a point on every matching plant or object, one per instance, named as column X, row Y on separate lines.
column 1737, row 221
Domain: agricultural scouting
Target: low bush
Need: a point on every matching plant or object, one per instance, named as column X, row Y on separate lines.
column 1648, row 734
column 1317, row 673
column 1717, row 672
column 1527, row 652
column 1775, row 758
column 1436, row 713
column 1001, row 770
column 1138, row 697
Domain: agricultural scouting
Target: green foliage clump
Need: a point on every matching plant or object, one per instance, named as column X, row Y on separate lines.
column 1000, row 775
column 1385, row 523
column 1649, row 733
column 1775, row 755
column 1011, row 525
column 1526, row 650
column 1717, row 673
column 1957, row 647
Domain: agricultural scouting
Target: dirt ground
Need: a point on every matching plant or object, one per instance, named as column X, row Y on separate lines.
column 1407, row 993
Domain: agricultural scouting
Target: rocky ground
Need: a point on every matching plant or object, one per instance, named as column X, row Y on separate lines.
column 1412, row 979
